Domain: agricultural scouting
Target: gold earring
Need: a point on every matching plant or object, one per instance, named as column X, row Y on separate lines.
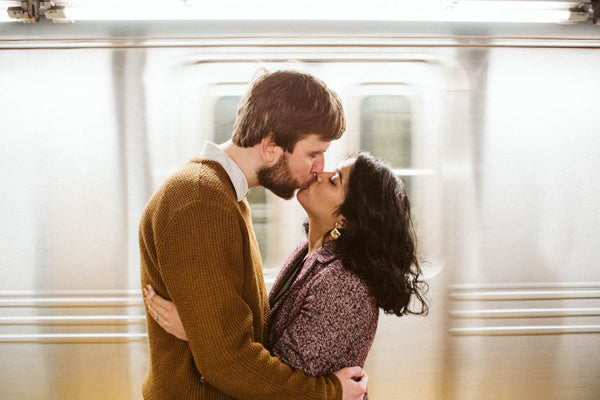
column 335, row 233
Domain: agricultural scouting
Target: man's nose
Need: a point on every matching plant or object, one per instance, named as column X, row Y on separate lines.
column 318, row 165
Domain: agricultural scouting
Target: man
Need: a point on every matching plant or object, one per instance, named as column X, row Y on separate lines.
column 198, row 249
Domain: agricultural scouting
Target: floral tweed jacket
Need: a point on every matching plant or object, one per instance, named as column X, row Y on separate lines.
column 326, row 319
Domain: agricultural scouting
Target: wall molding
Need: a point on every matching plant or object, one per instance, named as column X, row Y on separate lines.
column 525, row 330
column 75, row 338
column 72, row 316
column 258, row 44
column 60, row 320
column 471, row 314
column 525, row 291
column 71, row 298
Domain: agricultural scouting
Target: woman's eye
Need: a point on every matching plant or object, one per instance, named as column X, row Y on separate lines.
column 331, row 181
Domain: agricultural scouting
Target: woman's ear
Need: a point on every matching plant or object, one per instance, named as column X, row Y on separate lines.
column 342, row 221
column 269, row 151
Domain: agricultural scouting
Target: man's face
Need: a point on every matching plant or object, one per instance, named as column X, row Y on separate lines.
column 295, row 170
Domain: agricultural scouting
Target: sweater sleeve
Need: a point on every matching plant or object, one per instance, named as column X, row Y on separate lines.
column 336, row 315
column 201, row 263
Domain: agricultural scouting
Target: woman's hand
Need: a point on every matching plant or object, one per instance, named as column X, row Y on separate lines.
column 164, row 312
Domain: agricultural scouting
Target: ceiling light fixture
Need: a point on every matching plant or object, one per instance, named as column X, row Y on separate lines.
column 332, row 10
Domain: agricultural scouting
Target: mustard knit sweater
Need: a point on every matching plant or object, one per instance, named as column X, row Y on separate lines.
column 198, row 249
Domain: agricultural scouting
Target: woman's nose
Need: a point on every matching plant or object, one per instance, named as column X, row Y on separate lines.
column 323, row 176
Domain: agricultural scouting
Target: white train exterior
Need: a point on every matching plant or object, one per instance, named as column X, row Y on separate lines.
column 494, row 127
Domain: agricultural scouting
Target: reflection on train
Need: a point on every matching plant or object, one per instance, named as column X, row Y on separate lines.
column 494, row 128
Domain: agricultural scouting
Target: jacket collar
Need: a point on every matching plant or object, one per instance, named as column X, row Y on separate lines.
column 325, row 253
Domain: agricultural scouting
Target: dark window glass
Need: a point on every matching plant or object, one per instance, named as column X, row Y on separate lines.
column 225, row 112
column 385, row 131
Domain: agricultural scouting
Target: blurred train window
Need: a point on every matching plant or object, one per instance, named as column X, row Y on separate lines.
column 225, row 111
column 224, row 118
column 385, row 130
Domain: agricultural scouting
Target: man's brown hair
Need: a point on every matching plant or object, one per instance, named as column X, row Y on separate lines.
column 291, row 105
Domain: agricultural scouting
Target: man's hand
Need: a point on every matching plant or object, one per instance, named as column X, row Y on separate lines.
column 354, row 382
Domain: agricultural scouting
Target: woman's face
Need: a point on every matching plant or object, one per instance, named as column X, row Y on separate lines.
column 322, row 198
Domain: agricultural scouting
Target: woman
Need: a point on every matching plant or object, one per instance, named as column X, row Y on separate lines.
column 325, row 300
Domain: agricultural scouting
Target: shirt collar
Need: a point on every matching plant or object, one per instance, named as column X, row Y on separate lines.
column 212, row 152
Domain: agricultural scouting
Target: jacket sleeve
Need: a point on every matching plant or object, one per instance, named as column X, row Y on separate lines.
column 201, row 262
column 336, row 314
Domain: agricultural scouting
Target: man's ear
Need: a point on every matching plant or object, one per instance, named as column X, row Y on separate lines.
column 269, row 151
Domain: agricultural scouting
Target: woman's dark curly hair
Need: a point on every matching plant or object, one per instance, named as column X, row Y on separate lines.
column 378, row 241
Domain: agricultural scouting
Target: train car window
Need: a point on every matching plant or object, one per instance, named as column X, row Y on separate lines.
column 225, row 111
column 224, row 118
column 385, row 130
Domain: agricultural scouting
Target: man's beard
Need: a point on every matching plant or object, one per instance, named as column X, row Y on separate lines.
column 278, row 178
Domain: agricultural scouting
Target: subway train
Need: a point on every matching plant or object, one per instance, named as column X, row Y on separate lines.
column 491, row 124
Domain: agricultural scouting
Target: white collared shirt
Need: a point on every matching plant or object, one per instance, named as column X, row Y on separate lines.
column 212, row 152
